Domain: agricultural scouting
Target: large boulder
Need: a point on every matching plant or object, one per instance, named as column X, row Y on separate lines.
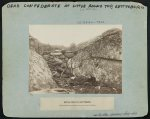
column 100, row 58
column 40, row 76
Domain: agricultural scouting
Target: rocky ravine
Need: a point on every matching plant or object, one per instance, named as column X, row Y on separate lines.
column 101, row 58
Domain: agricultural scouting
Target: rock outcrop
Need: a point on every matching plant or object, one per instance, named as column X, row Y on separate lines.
column 40, row 76
column 101, row 58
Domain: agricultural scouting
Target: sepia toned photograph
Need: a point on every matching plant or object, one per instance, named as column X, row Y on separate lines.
column 78, row 59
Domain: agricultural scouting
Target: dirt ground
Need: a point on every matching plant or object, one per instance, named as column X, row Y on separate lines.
column 87, row 86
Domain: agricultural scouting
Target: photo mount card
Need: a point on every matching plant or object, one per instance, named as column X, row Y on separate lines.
column 74, row 59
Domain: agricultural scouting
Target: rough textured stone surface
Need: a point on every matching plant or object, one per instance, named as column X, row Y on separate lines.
column 40, row 76
column 100, row 58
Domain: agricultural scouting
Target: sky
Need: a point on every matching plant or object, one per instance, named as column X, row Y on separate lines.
column 67, row 34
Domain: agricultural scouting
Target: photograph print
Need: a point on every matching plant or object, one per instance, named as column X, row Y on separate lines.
column 78, row 59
